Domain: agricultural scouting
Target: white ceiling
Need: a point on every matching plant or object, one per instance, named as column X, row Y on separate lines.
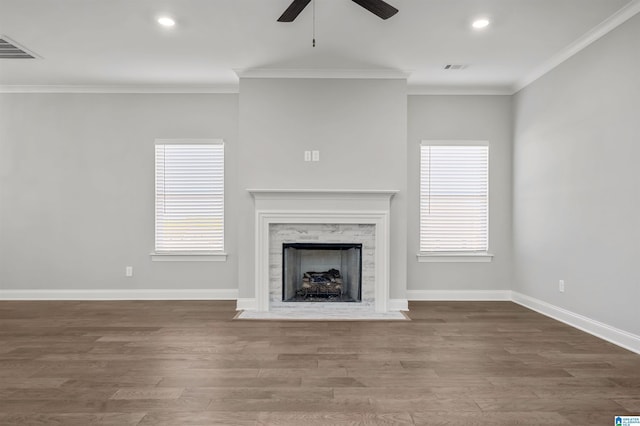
column 117, row 43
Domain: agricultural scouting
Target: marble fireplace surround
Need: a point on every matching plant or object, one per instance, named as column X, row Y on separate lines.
column 321, row 207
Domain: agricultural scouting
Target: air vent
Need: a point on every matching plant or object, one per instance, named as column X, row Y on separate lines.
column 452, row 67
column 10, row 50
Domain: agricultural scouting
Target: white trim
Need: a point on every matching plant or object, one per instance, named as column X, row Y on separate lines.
column 354, row 73
column 618, row 18
column 454, row 257
column 398, row 305
column 316, row 193
column 189, row 257
column 606, row 332
column 430, row 90
column 459, row 295
column 189, row 141
column 121, row 294
column 246, row 304
column 454, row 142
column 72, row 88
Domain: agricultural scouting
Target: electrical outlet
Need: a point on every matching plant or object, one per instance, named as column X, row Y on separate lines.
column 315, row 155
column 561, row 286
column 128, row 271
column 307, row 156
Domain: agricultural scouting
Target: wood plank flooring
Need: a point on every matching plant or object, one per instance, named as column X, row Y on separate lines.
column 188, row 363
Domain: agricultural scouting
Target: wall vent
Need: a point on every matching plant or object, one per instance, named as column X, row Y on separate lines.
column 10, row 50
column 454, row 67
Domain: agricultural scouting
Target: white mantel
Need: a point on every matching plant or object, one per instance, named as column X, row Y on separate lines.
column 322, row 206
column 348, row 196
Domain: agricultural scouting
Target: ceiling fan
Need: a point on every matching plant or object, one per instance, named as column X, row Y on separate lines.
column 377, row 7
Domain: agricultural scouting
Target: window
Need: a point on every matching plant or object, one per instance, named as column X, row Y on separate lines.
column 454, row 198
column 189, row 197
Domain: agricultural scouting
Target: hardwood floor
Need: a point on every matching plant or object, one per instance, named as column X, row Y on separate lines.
column 189, row 363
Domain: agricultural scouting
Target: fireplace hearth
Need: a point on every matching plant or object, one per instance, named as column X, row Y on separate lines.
column 321, row 272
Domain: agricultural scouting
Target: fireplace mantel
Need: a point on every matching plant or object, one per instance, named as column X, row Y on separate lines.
column 320, row 192
column 380, row 195
column 322, row 206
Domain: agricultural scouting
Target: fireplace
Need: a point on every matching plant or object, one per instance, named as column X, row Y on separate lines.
column 322, row 217
column 321, row 272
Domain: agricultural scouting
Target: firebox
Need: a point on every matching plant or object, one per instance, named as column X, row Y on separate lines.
column 321, row 272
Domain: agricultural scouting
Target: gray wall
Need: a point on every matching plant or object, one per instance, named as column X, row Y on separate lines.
column 359, row 127
column 577, row 182
column 76, row 193
column 76, row 189
column 463, row 117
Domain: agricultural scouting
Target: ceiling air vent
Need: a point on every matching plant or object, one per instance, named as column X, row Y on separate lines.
column 454, row 67
column 10, row 50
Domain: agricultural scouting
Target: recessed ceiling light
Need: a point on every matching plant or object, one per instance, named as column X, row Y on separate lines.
column 165, row 21
column 479, row 24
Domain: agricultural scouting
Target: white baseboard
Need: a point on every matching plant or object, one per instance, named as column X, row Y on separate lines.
column 396, row 305
column 246, row 304
column 121, row 294
column 606, row 332
column 459, row 295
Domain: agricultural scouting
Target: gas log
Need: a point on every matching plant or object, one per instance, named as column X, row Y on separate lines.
column 327, row 283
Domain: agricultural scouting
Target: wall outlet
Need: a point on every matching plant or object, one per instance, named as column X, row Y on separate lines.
column 128, row 271
column 561, row 286
column 315, row 155
column 307, row 156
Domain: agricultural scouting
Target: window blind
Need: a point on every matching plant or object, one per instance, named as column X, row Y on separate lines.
column 189, row 196
column 454, row 192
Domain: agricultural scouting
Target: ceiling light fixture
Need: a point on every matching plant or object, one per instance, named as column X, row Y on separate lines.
column 479, row 24
column 165, row 21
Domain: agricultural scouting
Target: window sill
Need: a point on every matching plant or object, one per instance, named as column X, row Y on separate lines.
column 454, row 257
column 189, row 257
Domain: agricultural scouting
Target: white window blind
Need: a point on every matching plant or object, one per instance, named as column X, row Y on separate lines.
column 189, row 196
column 454, row 192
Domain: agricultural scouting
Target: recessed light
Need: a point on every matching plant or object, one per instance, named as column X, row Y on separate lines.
column 165, row 21
column 479, row 24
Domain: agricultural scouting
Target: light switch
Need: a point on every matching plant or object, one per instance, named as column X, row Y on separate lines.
column 315, row 156
column 307, row 156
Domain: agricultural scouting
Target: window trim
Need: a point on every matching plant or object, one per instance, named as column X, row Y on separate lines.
column 190, row 256
column 454, row 256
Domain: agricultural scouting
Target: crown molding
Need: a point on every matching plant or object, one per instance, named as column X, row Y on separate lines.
column 233, row 88
column 458, row 90
column 220, row 88
column 329, row 73
column 606, row 26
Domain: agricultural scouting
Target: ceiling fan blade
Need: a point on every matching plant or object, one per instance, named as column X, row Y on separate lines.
column 378, row 7
column 293, row 10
